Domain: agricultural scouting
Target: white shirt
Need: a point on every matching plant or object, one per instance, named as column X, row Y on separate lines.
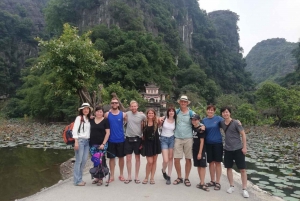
column 168, row 129
column 85, row 128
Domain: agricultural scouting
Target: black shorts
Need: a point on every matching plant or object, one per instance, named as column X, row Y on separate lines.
column 130, row 147
column 115, row 150
column 202, row 161
column 214, row 152
column 236, row 156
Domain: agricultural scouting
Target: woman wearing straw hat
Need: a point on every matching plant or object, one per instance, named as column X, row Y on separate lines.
column 81, row 134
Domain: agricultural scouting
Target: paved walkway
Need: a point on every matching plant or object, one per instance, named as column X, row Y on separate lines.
column 117, row 190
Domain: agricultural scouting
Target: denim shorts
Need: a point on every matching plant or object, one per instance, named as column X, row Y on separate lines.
column 167, row 142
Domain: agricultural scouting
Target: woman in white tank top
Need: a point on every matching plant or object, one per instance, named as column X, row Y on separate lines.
column 167, row 140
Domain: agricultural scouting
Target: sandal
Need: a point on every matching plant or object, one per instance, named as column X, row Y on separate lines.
column 211, row 183
column 217, row 187
column 137, row 181
column 178, row 181
column 145, row 181
column 127, row 181
column 95, row 181
column 187, row 182
column 121, row 178
column 80, row 184
column 100, row 182
column 202, row 187
column 152, row 181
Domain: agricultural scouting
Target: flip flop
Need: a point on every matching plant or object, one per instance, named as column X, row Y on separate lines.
column 121, row 178
column 137, row 181
column 127, row 181
column 109, row 181
column 145, row 181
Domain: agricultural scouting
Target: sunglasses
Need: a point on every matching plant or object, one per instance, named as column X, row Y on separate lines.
column 114, row 103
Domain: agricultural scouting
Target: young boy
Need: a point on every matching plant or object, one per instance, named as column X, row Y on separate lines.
column 235, row 149
column 199, row 154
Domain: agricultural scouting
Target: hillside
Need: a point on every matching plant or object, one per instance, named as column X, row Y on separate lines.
column 172, row 43
column 21, row 21
column 271, row 59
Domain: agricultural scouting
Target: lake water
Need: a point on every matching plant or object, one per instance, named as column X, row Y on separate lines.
column 25, row 171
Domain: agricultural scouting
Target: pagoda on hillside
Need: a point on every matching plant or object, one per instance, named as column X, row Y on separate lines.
column 155, row 98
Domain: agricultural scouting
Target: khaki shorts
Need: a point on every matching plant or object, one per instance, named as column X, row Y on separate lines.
column 183, row 146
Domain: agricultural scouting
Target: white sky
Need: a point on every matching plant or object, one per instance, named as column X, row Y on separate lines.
column 261, row 19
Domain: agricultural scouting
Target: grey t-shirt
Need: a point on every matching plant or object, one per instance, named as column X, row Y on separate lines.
column 232, row 136
column 134, row 121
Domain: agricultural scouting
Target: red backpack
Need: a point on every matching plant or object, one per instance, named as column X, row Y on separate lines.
column 68, row 135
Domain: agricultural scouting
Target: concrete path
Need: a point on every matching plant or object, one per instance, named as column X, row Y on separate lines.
column 117, row 190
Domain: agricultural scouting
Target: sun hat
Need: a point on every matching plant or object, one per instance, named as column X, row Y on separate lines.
column 195, row 116
column 184, row 98
column 85, row 105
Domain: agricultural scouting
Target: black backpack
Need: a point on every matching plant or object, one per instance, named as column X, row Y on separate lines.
column 99, row 172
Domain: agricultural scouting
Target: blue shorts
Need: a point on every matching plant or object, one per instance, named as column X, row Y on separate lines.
column 167, row 142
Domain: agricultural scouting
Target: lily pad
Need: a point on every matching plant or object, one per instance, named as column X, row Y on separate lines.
column 255, row 178
column 264, row 182
column 279, row 194
column 290, row 199
column 295, row 195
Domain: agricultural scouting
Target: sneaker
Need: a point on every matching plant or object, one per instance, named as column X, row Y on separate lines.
column 245, row 193
column 164, row 174
column 230, row 189
column 168, row 182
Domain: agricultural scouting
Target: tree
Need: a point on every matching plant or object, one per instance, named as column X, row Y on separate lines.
column 281, row 101
column 75, row 62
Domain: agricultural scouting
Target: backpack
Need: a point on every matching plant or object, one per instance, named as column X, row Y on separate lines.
column 68, row 135
column 99, row 172
column 190, row 112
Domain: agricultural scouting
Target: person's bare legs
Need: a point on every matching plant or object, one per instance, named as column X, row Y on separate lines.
column 153, row 168
column 188, row 166
column 121, row 165
column 244, row 178
column 230, row 176
column 148, row 167
column 165, row 155
column 212, row 171
column 129, row 165
column 137, row 165
column 218, row 171
column 201, row 173
column 112, row 165
column 170, row 163
column 177, row 167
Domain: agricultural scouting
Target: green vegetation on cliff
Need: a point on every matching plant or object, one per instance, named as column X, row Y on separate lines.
column 271, row 59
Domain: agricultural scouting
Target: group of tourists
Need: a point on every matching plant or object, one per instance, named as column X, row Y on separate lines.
column 180, row 133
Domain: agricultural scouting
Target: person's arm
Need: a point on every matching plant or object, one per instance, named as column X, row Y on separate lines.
column 200, row 148
column 244, row 140
column 202, row 127
column 75, row 131
column 107, row 133
column 124, row 117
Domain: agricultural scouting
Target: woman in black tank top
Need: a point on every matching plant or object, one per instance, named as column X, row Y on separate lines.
column 151, row 144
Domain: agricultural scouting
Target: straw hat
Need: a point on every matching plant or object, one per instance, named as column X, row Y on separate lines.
column 184, row 98
column 85, row 105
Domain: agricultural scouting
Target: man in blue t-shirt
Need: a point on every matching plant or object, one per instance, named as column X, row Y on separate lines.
column 116, row 138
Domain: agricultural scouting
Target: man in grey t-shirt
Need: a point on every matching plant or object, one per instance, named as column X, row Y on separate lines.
column 133, row 139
